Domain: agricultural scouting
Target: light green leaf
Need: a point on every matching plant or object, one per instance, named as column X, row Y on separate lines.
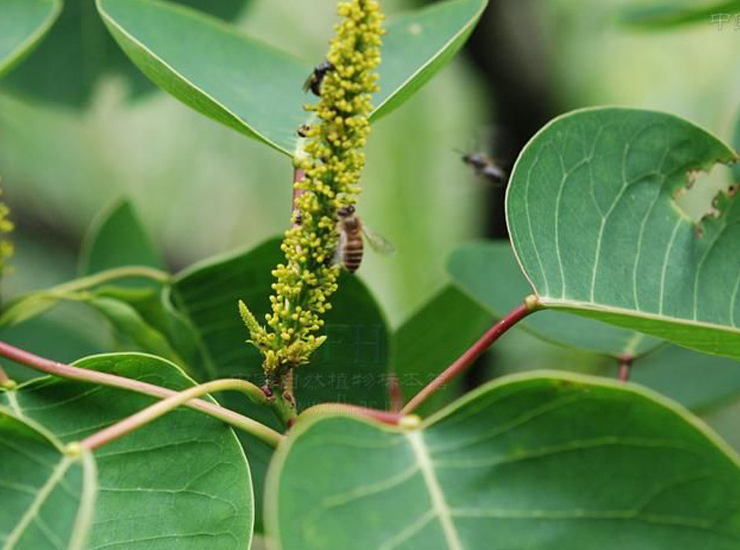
column 262, row 98
column 352, row 366
column 538, row 461
column 431, row 339
column 47, row 496
column 117, row 238
column 593, row 219
column 668, row 15
column 23, row 23
column 78, row 52
column 182, row 481
column 489, row 273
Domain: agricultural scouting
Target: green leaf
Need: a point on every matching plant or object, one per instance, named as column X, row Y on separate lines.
column 117, row 238
column 47, row 496
column 595, row 224
column 23, row 23
column 181, row 481
column 127, row 321
column 263, row 98
column 431, row 339
column 489, row 273
column 419, row 44
column 668, row 15
column 78, row 52
column 697, row 381
column 538, row 461
column 351, row 366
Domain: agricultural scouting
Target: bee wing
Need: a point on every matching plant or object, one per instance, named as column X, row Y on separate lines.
column 339, row 251
column 308, row 82
column 377, row 242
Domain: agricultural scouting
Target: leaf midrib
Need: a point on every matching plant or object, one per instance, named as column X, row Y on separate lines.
column 439, row 503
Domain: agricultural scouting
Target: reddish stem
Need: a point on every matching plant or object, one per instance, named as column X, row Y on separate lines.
column 395, row 392
column 625, row 367
column 386, row 417
column 104, row 379
column 475, row 351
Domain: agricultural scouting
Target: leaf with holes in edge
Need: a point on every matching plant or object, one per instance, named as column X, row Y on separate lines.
column 489, row 273
column 593, row 220
column 201, row 61
column 47, row 496
column 23, row 23
column 182, row 481
column 536, row 461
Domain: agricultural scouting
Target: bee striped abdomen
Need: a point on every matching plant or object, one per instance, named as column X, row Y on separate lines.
column 352, row 253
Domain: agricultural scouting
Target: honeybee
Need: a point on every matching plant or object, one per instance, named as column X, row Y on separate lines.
column 303, row 130
column 485, row 167
column 351, row 245
column 314, row 80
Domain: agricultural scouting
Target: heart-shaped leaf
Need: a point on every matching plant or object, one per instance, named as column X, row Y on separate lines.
column 47, row 496
column 537, row 461
column 117, row 238
column 255, row 88
column 668, row 15
column 79, row 52
column 182, row 481
column 489, row 273
column 352, row 366
column 23, row 23
column 431, row 339
column 593, row 218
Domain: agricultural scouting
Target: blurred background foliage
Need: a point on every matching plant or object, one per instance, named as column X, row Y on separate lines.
column 79, row 131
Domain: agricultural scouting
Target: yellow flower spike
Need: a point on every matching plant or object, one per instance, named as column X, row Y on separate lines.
column 6, row 226
column 332, row 164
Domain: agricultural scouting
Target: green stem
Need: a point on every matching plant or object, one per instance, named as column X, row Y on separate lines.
column 104, row 379
column 126, row 272
column 151, row 413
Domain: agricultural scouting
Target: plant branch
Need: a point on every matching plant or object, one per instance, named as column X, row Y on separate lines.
column 111, row 380
column 625, row 367
column 386, row 417
column 132, row 271
column 476, row 350
column 151, row 413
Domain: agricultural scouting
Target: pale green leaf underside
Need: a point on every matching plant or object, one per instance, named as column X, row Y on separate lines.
column 537, row 461
column 180, row 482
column 46, row 497
column 594, row 223
column 489, row 273
column 23, row 23
column 667, row 15
column 255, row 88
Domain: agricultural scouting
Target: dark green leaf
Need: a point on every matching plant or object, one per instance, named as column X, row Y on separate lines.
column 537, row 461
column 489, row 273
column 263, row 98
column 23, row 23
column 117, row 238
column 592, row 211
column 431, row 339
column 182, row 481
column 48, row 497
column 79, row 51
